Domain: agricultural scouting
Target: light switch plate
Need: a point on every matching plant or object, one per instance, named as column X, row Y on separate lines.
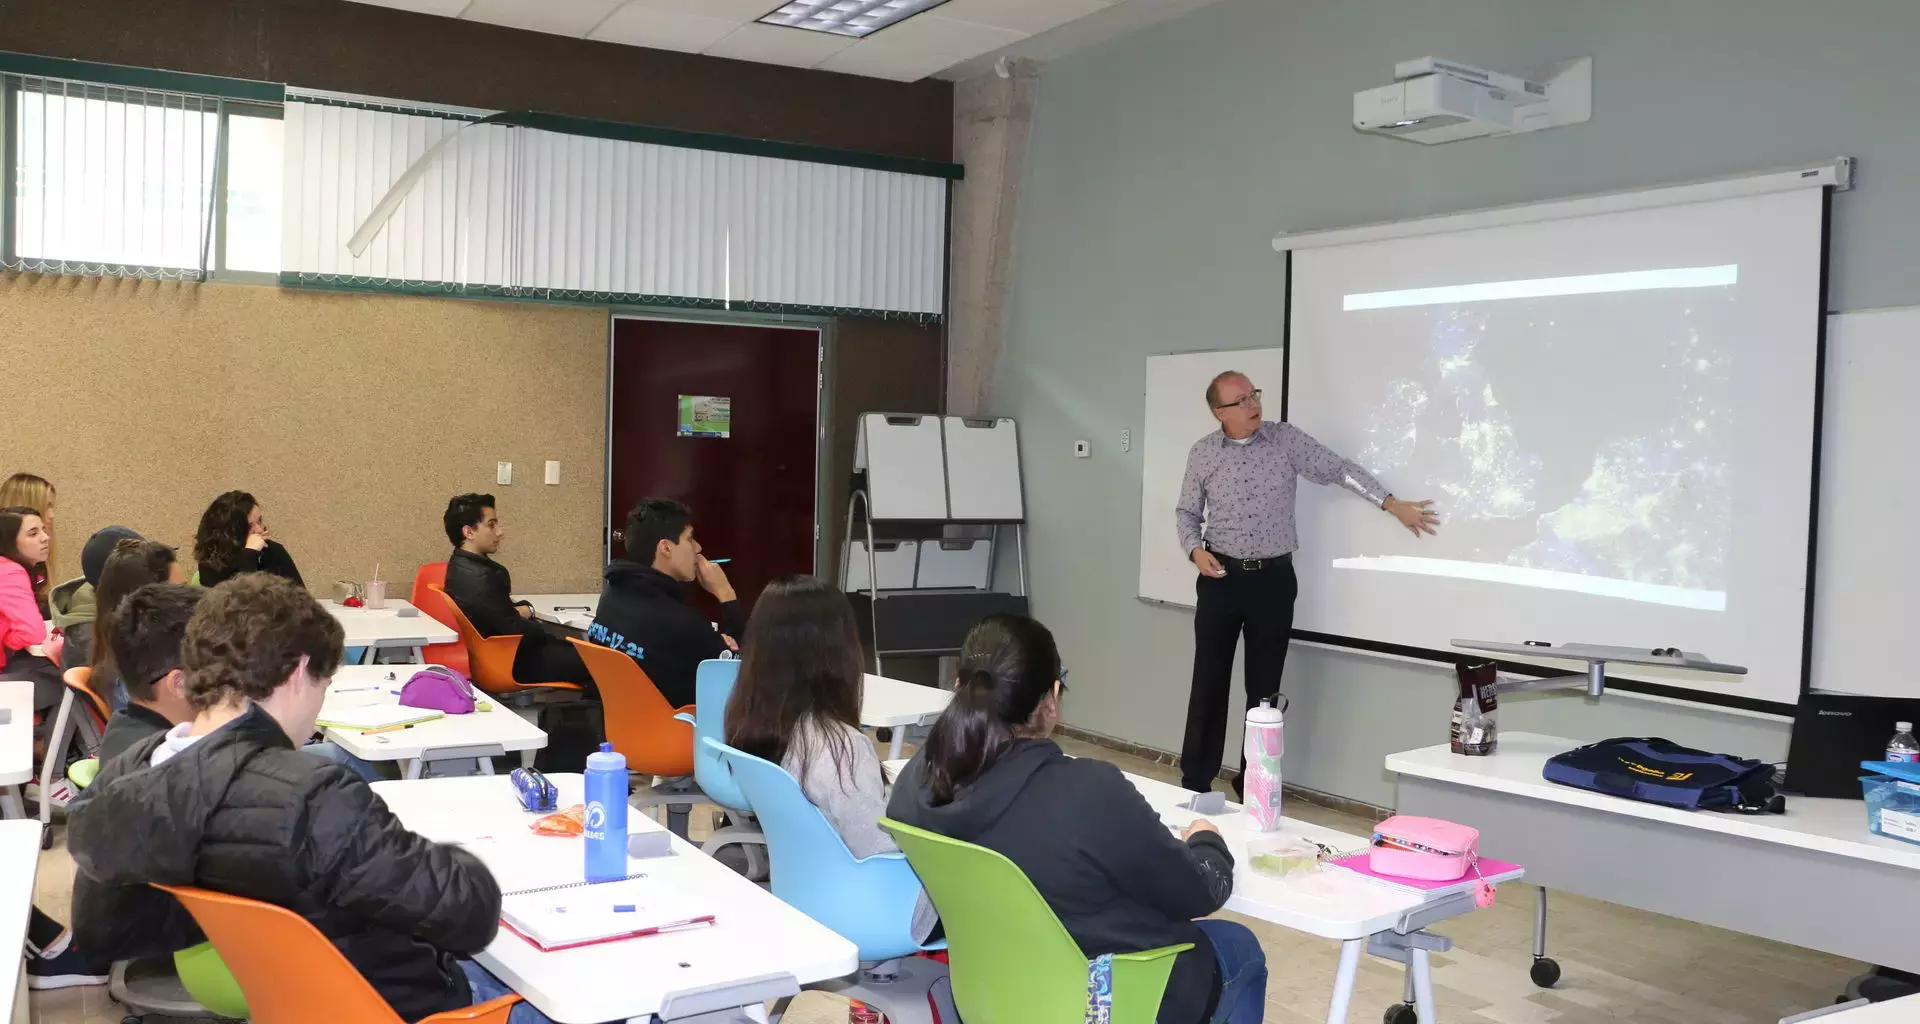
column 503, row 473
column 1082, row 449
column 553, row 472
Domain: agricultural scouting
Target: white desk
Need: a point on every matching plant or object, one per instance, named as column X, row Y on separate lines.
column 1331, row 903
column 574, row 611
column 1894, row 1011
column 759, row 948
column 1812, row 877
column 356, row 685
column 895, row 704
column 385, row 627
column 19, row 861
column 16, row 745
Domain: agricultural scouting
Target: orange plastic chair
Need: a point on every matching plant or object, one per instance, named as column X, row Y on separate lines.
column 434, row 604
column 644, row 728
column 291, row 974
column 83, row 713
column 491, row 657
column 80, row 681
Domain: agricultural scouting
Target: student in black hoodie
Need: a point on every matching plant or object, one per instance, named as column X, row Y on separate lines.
column 225, row 802
column 483, row 589
column 233, row 539
column 1086, row 839
column 643, row 605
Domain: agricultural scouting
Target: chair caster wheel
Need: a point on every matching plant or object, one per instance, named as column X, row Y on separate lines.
column 130, row 1019
column 1401, row 1013
column 1545, row 971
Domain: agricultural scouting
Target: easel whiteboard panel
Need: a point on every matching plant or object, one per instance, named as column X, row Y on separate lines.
column 983, row 468
column 906, row 474
column 1176, row 417
column 892, row 561
column 1867, row 560
column 947, row 564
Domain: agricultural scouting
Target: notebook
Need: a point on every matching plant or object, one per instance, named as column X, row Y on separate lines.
column 1490, row 869
column 571, row 916
column 522, row 862
column 377, row 716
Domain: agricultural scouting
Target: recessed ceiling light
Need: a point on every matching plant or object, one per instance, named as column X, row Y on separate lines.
column 854, row 18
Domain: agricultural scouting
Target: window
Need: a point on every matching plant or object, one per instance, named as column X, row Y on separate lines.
column 111, row 179
column 251, row 225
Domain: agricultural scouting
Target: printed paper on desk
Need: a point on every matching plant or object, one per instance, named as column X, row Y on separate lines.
column 607, row 912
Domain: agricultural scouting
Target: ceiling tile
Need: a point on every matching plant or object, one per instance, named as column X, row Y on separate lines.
column 663, row 27
column 444, row 8
column 1025, row 16
column 773, row 44
column 560, row 17
column 934, row 35
column 898, row 65
column 740, row 11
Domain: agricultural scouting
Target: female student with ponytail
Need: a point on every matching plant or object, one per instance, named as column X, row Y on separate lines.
column 1086, row 839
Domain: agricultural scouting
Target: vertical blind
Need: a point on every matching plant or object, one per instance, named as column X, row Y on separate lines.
column 526, row 211
column 110, row 180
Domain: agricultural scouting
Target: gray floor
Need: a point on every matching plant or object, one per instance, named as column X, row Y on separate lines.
column 1620, row 964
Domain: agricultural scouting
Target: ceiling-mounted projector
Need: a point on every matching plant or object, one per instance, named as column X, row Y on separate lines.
column 1434, row 100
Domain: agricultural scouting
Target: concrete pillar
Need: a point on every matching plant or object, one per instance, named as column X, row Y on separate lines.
column 991, row 115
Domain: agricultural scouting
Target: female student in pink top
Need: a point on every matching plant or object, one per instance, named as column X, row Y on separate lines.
column 24, row 542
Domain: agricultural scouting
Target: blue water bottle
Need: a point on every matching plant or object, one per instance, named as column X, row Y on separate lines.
column 606, row 821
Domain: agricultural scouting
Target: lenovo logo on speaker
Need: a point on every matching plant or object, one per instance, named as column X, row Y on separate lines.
column 1824, row 713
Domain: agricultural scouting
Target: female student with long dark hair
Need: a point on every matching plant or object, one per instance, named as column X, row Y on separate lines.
column 24, row 543
column 797, row 704
column 233, row 539
column 1086, row 839
column 133, row 564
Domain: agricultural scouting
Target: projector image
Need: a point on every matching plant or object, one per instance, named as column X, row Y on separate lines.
column 1434, row 101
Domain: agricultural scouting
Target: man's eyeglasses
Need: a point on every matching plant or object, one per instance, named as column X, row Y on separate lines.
column 1062, row 678
column 1251, row 396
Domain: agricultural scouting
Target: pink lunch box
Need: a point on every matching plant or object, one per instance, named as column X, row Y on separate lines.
column 1425, row 848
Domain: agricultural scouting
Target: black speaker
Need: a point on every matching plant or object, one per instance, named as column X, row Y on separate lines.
column 1833, row 733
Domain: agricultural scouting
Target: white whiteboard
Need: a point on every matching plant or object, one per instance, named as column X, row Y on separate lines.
column 905, row 464
column 1867, row 559
column 1176, row 417
column 983, row 468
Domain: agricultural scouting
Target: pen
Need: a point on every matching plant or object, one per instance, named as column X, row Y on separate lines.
column 389, row 728
column 353, row 689
column 719, row 561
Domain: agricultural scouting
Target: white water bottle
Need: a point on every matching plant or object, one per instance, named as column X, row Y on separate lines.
column 1261, row 787
column 1903, row 747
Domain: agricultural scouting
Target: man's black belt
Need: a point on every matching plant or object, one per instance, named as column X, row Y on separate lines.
column 1232, row 564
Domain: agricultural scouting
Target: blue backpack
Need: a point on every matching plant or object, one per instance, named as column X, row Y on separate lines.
column 1664, row 772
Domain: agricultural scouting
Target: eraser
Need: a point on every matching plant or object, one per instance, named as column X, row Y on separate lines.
column 406, row 612
column 649, row 844
column 1214, row 802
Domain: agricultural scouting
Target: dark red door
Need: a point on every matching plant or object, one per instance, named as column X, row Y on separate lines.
column 752, row 491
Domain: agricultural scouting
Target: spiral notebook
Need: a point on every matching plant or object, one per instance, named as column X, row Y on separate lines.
column 569, row 916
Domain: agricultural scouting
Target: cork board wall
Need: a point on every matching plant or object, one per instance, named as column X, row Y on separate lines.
column 352, row 418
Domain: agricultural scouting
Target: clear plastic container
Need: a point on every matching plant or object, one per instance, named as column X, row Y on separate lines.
column 1281, row 856
column 1893, row 807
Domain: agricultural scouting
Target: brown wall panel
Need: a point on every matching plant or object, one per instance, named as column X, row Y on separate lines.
column 361, row 48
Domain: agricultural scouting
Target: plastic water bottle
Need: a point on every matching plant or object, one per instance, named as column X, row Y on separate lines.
column 606, row 819
column 1903, row 747
column 1261, row 787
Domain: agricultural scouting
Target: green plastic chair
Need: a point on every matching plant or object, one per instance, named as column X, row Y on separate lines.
column 206, row 978
column 1013, row 961
column 83, row 772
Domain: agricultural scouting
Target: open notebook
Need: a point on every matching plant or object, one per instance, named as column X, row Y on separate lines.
column 569, row 916
column 377, row 716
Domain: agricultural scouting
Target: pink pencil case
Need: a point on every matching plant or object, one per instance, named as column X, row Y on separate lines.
column 1425, row 848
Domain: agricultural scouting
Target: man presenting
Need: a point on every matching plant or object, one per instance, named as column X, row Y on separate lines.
column 1240, row 484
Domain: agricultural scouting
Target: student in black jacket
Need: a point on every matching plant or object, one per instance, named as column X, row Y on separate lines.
column 483, row 589
column 233, row 539
column 145, row 637
column 226, row 803
column 1086, row 839
column 643, row 604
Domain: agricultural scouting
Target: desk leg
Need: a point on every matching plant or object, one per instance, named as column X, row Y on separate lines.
column 526, row 757
column 18, row 1012
column 11, row 805
column 1343, row 981
column 419, row 655
column 366, row 654
column 1422, row 972
column 412, row 768
column 893, row 745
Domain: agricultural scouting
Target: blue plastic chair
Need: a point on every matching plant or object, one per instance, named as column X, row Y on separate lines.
column 870, row 901
column 712, row 686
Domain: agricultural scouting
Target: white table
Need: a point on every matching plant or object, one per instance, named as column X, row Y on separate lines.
column 1812, row 877
column 356, row 685
column 1332, row 903
column 19, row 861
column 896, row 704
column 759, row 948
column 373, row 629
column 16, row 745
column 574, row 611
column 1905, row 1010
